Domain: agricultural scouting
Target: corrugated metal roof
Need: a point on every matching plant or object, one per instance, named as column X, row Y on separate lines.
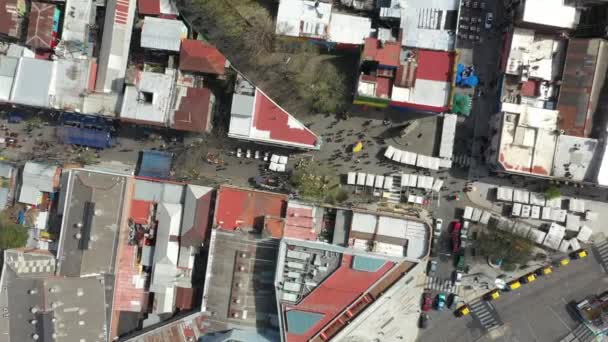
column 163, row 34
column 41, row 176
column 155, row 164
column 158, row 192
column 199, row 56
column 32, row 82
column 3, row 197
column 6, row 170
column 30, row 195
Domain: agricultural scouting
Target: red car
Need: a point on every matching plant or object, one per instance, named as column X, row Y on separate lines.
column 427, row 301
column 456, row 226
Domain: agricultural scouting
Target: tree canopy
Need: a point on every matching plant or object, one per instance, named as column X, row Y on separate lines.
column 510, row 248
column 12, row 235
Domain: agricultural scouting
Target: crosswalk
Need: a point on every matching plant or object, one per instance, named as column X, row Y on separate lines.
column 441, row 285
column 485, row 313
column 580, row 334
column 462, row 160
column 602, row 251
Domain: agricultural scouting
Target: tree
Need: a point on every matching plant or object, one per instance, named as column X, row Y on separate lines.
column 323, row 88
column 12, row 235
column 316, row 183
column 509, row 248
column 552, row 192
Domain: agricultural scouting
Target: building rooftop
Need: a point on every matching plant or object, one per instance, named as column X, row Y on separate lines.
column 163, row 34
column 115, row 44
column 239, row 289
column 32, row 82
column 8, row 69
column 245, row 208
column 149, row 101
column 385, row 53
column 197, row 212
column 303, row 18
column 562, row 15
column 574, row 158
column 157, row 8
column 255, row 117
column 583, row 79
column 198, row 56
column 92, row 217
column 528, row 139
column 183, row 329
column 429, row 24
column 77, row 21
column 314, row 303
column 535, row 56
column 41, row 26
column 55, row 303
column 303, row 221
column 194, row 111
column 349, row 29
column 10, row 19
column 72, row 79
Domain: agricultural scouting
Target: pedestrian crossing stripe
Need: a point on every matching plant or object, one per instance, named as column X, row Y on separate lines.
column 482, row 311
column 441, row 285
column 602, row 250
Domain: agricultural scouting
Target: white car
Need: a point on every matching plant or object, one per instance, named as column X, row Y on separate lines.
column 256, row 155
column 266, row 156
column 248, row 154
column 489, row 20
column 438, row 226
column 457, row 278
column 239, row 152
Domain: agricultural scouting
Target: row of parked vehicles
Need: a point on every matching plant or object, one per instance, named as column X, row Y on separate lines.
column 527, row 278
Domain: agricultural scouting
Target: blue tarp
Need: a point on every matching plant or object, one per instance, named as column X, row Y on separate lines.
column 466, row 77
column 86, row 121
column 155, row 164
column 84, row 137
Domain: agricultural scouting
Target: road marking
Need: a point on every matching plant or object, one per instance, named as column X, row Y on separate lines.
column 558, row 316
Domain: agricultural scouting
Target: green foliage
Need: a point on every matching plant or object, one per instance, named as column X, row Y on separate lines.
column 86, row 157
column 512, row 249
column 323, row 88
column 315, row 182
column 552, row 192
column 12, row 235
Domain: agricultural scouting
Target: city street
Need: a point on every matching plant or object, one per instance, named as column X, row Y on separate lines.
column 536, row 312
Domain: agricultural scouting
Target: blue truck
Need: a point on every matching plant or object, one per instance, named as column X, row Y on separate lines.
column 88, row 137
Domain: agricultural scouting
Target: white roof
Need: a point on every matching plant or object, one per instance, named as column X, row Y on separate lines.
column 447, row 135
column 576, row 205
column 546, row 214
column 30, row 195
column 393, row 227
column 426, row 92
column 163, row 34
column 425, row 182
column 425, row 24
column 525, row 210
column 413, row 180
column 521, row 196
column 283, row 159
column 299, row 18
column 516, row 210
column 361, row 178
column 561, row 15
column 554, row 236
column 538, row 236
column 136, row 104
column 573, row 222
column 364, row 223
column 555, row 202
column 437, row 185
column 389, row 152
column 574, row 244
column 405, row 179
column 468, row 213
column 379, row 181
column 8, row 69
column 476, row 215
column 584, row 234
column 535, row 213
column 397, row 156
column 388, row 182
column 352, row 178
column 40, row 176
column 169, row 221
column 536, row 198
column 602, row 174
column 485, row 217
column 409, row 158
column 369, row 180
column 32, row 82
column 349, row 29
column 76, row 25
column 504, row 194
column 558, row 215
column 427, row 162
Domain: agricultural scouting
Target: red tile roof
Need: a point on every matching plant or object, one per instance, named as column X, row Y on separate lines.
column 383, row 87
column 435, row 65
column 529, row 88
column 121, row 14
column 335, row 293
column 40, row 27
column 299, row 223
column 386, row 53
column 126, row 293
column 148, row 7
column 275, row 226
column 198, row 56
column 281, row 126
column 9, row 20
column 140, row 211
column 193, row 114
column 243, row 208
column 184, row 298
column 200, row 230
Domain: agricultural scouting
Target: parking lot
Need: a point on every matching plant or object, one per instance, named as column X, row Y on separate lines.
column 537, row 311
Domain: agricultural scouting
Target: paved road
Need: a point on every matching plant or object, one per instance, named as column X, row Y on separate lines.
column 536, row 312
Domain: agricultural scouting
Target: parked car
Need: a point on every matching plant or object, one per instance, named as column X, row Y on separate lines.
column 456, row 278
column 456, row 226
column 432, row 268
column 256, row 155
column 545, row 270
column 489, row 20
column 438, row 226
column 464, row 310
column 493, row 295
column 427, row 301
column 248, row 153
column 453, row 299
column 266, row 156
column 528, row 278
column 441, row 301
column 239, row 152
column 580, row 254
column 423, row 323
